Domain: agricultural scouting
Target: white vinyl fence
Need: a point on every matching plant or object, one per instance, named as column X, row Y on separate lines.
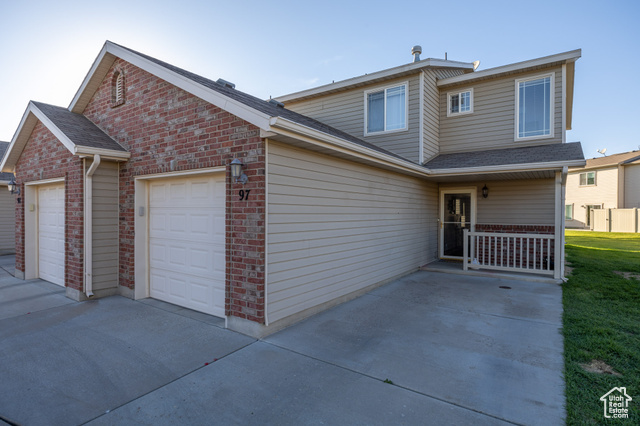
column 615, row 220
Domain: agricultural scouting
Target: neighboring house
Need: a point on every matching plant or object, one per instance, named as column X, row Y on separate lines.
column 7, row 210
column 129, row 190
column 609, row 182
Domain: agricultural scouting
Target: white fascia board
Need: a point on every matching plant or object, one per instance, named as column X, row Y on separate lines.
column 68, row 143
column 236, row 108
column 341, row 145
column 87, row 79
column 565, row 57
column 384, row 74
column 552, row 165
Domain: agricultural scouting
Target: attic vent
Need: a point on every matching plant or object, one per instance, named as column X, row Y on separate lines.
column 117, row 89
column 226, row 83
column 276, row 103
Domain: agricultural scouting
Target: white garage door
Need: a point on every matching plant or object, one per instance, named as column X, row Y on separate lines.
column 51, row 233
column 187, row 242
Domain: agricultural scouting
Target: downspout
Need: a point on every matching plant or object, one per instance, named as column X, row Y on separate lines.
column 88, row 225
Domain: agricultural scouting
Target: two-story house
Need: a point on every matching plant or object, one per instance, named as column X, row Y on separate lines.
column 157, row 182
column 609, row 182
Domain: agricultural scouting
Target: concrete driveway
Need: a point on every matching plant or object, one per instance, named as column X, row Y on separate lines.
column 430, row 348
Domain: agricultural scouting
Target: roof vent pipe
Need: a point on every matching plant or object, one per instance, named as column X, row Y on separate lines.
column 416, row 51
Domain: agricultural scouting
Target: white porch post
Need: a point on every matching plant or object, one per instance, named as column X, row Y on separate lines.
column 561, row 180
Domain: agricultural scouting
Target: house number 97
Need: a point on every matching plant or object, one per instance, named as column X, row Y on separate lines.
column 244, row 195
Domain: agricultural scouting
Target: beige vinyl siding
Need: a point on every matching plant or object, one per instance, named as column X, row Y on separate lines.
column 604, row 193
column 430, row 119
column 336, row 226
column 632, row 186
column 105, row 226
column 514, row 202
column 345, row 111
column 492, row 123
column 431, row 116
column 7, row 220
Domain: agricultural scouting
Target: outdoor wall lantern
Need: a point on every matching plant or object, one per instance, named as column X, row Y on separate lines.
column 236, row 171
column 485, row 192
column 13, row 186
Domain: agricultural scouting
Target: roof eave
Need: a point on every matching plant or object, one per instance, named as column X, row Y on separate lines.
column 28, row 122
column 278, row 124
column 374, row 77
column 552, row 165
column 111, row 50
column 565, row 57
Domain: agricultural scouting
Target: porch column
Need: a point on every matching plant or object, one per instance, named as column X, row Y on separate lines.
column 561, row 180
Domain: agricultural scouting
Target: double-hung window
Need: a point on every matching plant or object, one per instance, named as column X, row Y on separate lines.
column 588, row 179
column 534, row 107
column 386, row 109
column 460, row 102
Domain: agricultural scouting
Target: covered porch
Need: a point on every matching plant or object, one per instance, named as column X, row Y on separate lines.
column 501, row 212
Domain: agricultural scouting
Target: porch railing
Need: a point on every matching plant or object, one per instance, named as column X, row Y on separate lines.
column 531, row 253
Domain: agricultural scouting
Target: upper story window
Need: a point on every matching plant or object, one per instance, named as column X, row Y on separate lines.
column 534, row 107
column 117, row 89
column 385, row 109
column 587, row 179
column 460, row 102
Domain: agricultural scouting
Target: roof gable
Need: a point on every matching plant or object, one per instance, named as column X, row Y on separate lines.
column 261, row 113
column 74, row 131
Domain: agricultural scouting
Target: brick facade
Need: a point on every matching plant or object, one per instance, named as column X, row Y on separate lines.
column 517, row 229
column 159, row 123
column 44, row 157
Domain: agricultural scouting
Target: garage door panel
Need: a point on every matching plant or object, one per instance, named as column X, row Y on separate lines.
column 186, row 242
column 51, row 233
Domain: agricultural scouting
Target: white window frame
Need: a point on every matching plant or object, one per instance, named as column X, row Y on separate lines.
column 552, row 95
column 459, row 92
column 595, row 179
column 406, row 108
column 565, row 212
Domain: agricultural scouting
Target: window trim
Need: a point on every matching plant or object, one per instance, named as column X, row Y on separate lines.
column 459, row 92
column 406, row 108
column 552, row 94
column 595, row 179
column 565, row 212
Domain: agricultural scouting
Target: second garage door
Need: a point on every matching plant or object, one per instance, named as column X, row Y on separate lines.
column 187, row 242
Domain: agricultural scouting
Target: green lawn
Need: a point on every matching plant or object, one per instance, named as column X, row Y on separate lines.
column 601, row 322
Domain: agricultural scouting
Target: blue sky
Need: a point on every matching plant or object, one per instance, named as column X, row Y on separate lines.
column 270, row 48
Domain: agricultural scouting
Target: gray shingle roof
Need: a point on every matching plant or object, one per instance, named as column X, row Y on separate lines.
column 262, row 105
column 3, row 149
column 508, row 156
column 78, row 128
column 611, row 160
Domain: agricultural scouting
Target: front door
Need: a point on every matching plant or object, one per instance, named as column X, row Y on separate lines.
column 457, row 213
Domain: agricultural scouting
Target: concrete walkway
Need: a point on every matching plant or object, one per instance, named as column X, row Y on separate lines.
column 452, row 350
